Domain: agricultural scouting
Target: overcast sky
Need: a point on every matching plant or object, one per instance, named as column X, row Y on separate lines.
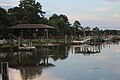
column 104, row 14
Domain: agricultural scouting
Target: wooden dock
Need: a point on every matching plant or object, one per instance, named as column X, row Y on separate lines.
column 85, row 39
column 29, row 48
column 86, row 49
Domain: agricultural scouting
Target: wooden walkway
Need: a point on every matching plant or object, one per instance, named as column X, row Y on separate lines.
column 85, row 39
column 86, row 49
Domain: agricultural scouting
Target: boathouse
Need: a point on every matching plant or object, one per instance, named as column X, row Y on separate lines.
column 31, row 30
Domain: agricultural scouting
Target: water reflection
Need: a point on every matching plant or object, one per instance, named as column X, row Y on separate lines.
column 30, row 72
column 31, row 65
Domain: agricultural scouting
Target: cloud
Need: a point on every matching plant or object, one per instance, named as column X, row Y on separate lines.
column 101, row 9
column 103, row 22
column 9, row 2
column 47, row 76
column 110, row 1
column 117, row 16
column 82, row 17
column 14, row 74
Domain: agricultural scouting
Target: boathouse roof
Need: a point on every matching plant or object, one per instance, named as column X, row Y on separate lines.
column 31, row 26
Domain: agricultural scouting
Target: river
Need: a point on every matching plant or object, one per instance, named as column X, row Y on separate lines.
column 65, row 63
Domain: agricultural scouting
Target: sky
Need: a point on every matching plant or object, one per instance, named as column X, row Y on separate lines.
column 104, row 14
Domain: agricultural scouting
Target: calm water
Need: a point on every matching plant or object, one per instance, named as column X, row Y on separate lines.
column 65, row 63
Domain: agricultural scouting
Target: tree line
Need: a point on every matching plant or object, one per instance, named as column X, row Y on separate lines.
column 30, row 12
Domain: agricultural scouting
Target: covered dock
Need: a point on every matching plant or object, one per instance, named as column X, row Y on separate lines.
column 30, row 30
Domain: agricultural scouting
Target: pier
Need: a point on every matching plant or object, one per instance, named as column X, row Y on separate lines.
column 84, row 40
column 87, row 49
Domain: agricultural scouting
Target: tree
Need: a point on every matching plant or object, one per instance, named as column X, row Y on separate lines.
column 77, row 25
column 110, row 32
column 61, row 24
column 78, row 28
column 4, row 23
column 15, row 15
column 53, row 21
column 66, row 26
column 28, row 11
column 87, row 31
column 87, row 28
column 96, row 31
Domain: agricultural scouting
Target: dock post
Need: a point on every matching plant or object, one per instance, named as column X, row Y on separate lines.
column 72, row 37
column 65, row 39
column 19, row 42
column 4, row 70
column 79, row 37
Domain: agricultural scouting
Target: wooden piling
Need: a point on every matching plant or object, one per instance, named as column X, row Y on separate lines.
column 66, row 39
column 4, row 70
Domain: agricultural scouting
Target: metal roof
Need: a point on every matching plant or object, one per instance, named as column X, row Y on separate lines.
column 31, row 26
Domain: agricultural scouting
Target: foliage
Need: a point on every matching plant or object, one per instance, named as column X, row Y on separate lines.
column 4, row 23
column 61, row 24
column 96, row 31
column 78, row 29
column 110, row 32
column 28, row 11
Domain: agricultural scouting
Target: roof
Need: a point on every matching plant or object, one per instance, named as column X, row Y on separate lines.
column 31, row 26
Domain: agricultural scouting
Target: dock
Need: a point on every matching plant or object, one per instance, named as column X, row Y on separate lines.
column 86, row 49
column 29, row 48
column 85, row 39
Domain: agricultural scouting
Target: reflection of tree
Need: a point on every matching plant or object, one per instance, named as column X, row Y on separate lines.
column 59, row 52
column 30, row 72
column 31, row 63
column 26, row 62
column 55, row 52
column 34, row 58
